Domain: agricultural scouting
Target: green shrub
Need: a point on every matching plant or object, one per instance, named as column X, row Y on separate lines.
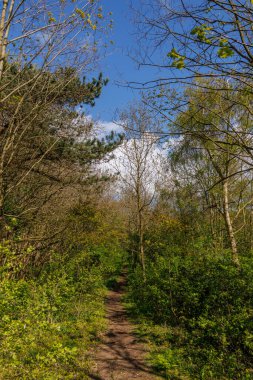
column 48, row 323
column 210, row 302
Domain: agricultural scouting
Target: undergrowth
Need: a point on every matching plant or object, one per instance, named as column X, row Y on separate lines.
column 48, row 324
column 197, row 316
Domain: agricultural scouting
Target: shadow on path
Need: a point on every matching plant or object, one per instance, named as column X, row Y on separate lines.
column 120, row 355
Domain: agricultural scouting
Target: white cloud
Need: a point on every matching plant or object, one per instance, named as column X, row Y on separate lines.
column 101, row 128
column 105, row 127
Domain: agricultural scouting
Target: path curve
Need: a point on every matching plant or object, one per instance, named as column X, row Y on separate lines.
column 120, row 356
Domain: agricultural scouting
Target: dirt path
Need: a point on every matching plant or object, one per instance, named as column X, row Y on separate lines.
column 120, row 356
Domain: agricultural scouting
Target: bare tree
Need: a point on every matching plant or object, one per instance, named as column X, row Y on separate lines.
column 211, row 39
column 202, row 44
column 138, row 163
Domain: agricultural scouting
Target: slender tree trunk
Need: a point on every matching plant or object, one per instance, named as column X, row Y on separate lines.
column 1, row 193
column 1, row 190
column 141, row 239
column 229, row 224
column 251, row 217
column 2, row 36
column 5, row 18
column 141, row 235
column 140, row 220
column 141, row 246
column 212, row 228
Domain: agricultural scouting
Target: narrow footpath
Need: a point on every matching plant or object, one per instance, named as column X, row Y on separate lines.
column 120, row 356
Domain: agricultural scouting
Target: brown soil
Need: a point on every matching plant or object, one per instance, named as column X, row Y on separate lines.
column 120, row 356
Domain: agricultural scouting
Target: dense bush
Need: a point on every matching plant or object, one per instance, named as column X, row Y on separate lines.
column 47, row 324
column 205, row 305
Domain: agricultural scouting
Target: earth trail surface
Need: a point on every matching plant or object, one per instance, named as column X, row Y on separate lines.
column 120, row 356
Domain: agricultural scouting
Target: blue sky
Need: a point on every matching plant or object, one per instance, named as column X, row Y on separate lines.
column 118, row 66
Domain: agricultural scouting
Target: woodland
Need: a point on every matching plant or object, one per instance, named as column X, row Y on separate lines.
column 167, row 201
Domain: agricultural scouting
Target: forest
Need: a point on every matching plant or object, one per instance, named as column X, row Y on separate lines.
column 126, row 252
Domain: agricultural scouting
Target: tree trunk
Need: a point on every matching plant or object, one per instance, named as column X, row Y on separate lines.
column 1, row 189
column 2, row 36
column 141, row 248
column 141, row 239
column 229, row 225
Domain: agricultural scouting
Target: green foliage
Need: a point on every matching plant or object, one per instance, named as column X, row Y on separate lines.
column 178, row 60
column 225, row 50
column 66, row 87
column 47, row 324
column 55, row 148
column 80, row 12
column 205, row 305
column 201, row 33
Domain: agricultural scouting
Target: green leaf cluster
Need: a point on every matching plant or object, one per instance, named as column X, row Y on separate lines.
column 202, row 33
column 225, row 50
column 178, row 60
